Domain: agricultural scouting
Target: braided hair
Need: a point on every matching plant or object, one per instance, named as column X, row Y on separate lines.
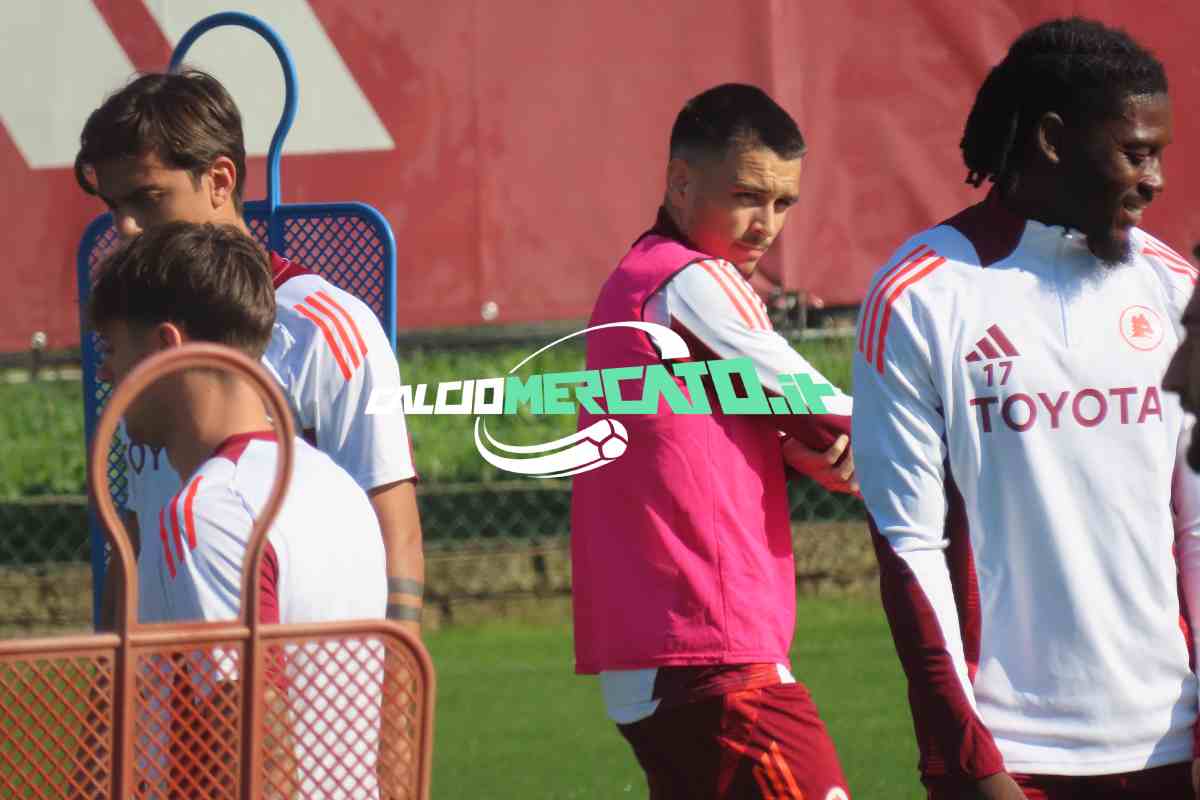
column 1076, row 67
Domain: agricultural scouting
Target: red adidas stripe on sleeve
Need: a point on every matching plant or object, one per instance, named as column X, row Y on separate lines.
column 1174, row 261
column 740, row 294
column 873, row 326
column 323, row 311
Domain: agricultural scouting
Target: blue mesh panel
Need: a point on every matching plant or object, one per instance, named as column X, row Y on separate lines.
column 349, row 244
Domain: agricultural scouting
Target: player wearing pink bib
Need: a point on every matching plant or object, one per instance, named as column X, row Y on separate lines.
column 324, row 560
column 682, row 569
column 1037, row 529
column 169, row 147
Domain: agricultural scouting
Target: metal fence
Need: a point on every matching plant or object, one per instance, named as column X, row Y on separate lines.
column 462, row 514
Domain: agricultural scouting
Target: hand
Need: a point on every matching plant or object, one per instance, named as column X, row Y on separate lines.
column 1196, row 773
column 823, row 467
column 1000, row 786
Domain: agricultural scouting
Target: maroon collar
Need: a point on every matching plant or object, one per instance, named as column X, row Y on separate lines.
column 283, row 270
column 233, row 447
column 991, row 228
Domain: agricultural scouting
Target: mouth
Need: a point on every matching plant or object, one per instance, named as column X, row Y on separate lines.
column 1131, row 213
column 754, row 250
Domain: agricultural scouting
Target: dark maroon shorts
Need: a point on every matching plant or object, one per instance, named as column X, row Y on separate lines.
column 767, row 742
column 1172, row 782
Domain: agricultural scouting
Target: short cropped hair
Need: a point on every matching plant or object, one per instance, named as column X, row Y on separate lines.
column 734, row 114
column 1079, row 68
column 185, row 118
column 213, row 281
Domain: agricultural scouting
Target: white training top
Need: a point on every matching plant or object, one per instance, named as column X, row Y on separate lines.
column 330, row 354
column 1028, row 493
column 324, row 562
column 324, row 557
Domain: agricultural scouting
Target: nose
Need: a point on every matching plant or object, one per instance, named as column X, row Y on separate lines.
column 127, row 226
column 769, row 221
column 1154, row 179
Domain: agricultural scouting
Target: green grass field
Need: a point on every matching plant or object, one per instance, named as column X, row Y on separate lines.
column 513, row 721
column 42, row 423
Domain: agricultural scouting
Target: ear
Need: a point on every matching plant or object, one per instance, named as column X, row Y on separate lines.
column 223, row 175
column 679, row 182
column 168, row 335
column 1050, row 136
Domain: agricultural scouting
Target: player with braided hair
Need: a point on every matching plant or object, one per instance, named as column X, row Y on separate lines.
column 1037, row 530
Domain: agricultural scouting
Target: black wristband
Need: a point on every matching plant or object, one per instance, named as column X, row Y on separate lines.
column 406, row 586
column 403, row 613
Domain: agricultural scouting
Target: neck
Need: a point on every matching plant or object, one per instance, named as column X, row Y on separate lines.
column 670, row 223
column 1036, row 199
column 212, row 408
column 227, row 215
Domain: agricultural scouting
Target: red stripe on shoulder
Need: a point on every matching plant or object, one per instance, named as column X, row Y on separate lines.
column 1163, row 251
column 1173, row 261
column 864, row 327
column 328, row 334
column 189, row 514
column 358, row 337
column 887, row 294
column 730, row 292
column 319, row 305
column 887, row 311
column 747, row 291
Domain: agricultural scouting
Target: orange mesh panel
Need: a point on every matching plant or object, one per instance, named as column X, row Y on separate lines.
column 56, row 726
column 187, row 722
column 348, row 719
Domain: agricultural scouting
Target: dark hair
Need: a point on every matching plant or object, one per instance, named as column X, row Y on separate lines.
column 211, row 280
column 1076, row 67
column 734, row 114
column 185, row 118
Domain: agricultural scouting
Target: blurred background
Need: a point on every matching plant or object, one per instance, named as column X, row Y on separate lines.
column 517, row 148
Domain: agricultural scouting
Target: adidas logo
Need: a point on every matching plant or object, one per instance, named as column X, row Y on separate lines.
column 993, row 345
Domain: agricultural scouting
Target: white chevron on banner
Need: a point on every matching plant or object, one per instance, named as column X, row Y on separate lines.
column 62, row 60
column 59, row 60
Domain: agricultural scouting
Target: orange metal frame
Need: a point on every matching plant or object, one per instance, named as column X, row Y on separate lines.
column 98, row 734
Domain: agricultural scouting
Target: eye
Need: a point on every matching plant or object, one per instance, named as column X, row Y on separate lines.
column 1136, row 158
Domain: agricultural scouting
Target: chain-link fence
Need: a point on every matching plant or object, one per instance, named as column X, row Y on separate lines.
column 466, row 506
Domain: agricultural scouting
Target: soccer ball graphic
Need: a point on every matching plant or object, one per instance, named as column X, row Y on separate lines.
column 609, row 437
column 597, row 445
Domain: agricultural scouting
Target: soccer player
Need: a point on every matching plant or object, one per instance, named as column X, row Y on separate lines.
column 170, row 147
column 1022, row 470
column 683, row 575
column 324, row 561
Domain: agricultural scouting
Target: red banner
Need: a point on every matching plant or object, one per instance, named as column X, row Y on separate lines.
column 518, row 148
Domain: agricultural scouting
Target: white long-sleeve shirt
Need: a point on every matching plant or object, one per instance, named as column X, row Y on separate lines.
column 1028, row 496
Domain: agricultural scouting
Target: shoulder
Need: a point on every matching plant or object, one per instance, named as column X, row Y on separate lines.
column 1176, row 274
column 933, row 260
column 209, row 507
column 975, row 238
column 913, row 290
column 322, row 493
column 324, row 321
column 715, row 286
